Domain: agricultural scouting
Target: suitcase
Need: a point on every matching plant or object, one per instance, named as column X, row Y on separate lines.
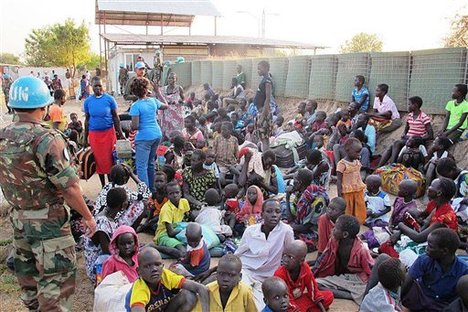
column 288, row 157
column 87, row 163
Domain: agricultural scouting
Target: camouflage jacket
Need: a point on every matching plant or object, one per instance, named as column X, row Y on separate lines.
column 35, row 166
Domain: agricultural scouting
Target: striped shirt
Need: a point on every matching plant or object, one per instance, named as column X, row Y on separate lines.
column 417, row 127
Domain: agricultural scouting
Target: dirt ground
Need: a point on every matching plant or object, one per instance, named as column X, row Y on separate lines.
column 83, row 299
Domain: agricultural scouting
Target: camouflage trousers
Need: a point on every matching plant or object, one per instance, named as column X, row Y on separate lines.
column 45, row 259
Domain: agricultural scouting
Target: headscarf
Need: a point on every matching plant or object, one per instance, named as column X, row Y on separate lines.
column 123, row 229
column 248, row 209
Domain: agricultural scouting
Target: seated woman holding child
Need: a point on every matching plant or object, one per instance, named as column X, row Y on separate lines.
column 305, row 202
column 258, row 170
column 197, row 180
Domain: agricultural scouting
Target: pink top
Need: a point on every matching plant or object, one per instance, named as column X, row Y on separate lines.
column 115, row 263
column 197, row 136
column 386, row 105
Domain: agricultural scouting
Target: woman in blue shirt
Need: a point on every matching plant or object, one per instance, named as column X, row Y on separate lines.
column 144, row 114
column 101, row 125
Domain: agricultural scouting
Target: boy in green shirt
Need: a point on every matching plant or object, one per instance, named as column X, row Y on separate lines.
column 456, row 121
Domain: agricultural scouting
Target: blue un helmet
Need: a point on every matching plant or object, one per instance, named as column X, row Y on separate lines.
column 29, row 93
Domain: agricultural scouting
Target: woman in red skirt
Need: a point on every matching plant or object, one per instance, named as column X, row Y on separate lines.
column 101, row 125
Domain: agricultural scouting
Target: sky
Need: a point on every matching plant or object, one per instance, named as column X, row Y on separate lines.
column 400, row 24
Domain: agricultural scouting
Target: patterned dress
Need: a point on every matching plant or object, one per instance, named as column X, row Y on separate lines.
column 91, row 251
column 173, row 117
column 199, row 184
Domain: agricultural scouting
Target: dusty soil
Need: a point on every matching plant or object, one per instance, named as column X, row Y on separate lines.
column 83, row 299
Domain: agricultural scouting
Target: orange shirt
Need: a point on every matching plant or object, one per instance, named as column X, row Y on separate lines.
column 56, row 115
column 351, row 181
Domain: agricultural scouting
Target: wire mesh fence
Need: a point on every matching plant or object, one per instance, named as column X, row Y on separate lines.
column 434, row 73
column 349, row 65
column 322, row 78
column 392, row 69
column 279, row 71
column 297, row 82
column 430, row 74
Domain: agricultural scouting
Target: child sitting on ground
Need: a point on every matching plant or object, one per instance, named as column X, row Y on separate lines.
column 377, row 202
column 349, row 184
column 210, row 163
column 119, row 177
column 159, row 289
column 172, row 212
column 432, row 279
column 404, row 203
column 212, row 216
column 75, row 124
column 107, row 222
column 304, row 293
column 249, row 132
column 327, row 221
column 124, row 250
column 319, row 122
column 250, row 210
column 437, row 151
column 385, row 296
column 230, row 204
column 310, row 115
column 461, row 303
column 439, row 212
column 300, row 112
column 413, row 154
column 225, row 148
column 276, row 295
column 228, row 292
column 345, row 265
column 155, row 203
column 197, row 259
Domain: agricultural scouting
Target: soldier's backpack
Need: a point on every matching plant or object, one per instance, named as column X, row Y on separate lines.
column 87, row 163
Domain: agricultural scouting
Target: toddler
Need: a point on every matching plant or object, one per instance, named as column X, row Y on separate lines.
column 197, row 259
column 155, row 203
column 275, row 295
column 349, row 184
column 212, row 216
column 377, row 202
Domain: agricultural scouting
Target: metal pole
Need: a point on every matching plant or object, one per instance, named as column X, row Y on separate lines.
column 215, row 25
column 100, row 45
column 263, row 22
column 162, row 25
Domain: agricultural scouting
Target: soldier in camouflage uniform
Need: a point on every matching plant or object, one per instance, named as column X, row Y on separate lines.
column 37, row 179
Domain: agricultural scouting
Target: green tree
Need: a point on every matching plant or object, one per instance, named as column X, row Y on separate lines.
column 39, row 48
column 9, row 58
column 59, row 45
column 362, row 42
column 459, row 33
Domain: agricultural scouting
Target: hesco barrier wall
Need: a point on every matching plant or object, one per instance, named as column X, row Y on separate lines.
column 297, row 81
column 392, row 69
column 206, row 72
column 196, row 73
column 322, row 78
column 279, row 72
column 229, row 71
column 350, row 65
column 430, row 74
column 184, row 74
column 434, row 73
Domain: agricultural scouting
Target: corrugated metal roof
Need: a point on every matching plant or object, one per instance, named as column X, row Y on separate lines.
column 129, row 39
column 179, row 7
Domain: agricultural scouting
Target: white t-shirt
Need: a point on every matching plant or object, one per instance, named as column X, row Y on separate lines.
column 377, row 204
